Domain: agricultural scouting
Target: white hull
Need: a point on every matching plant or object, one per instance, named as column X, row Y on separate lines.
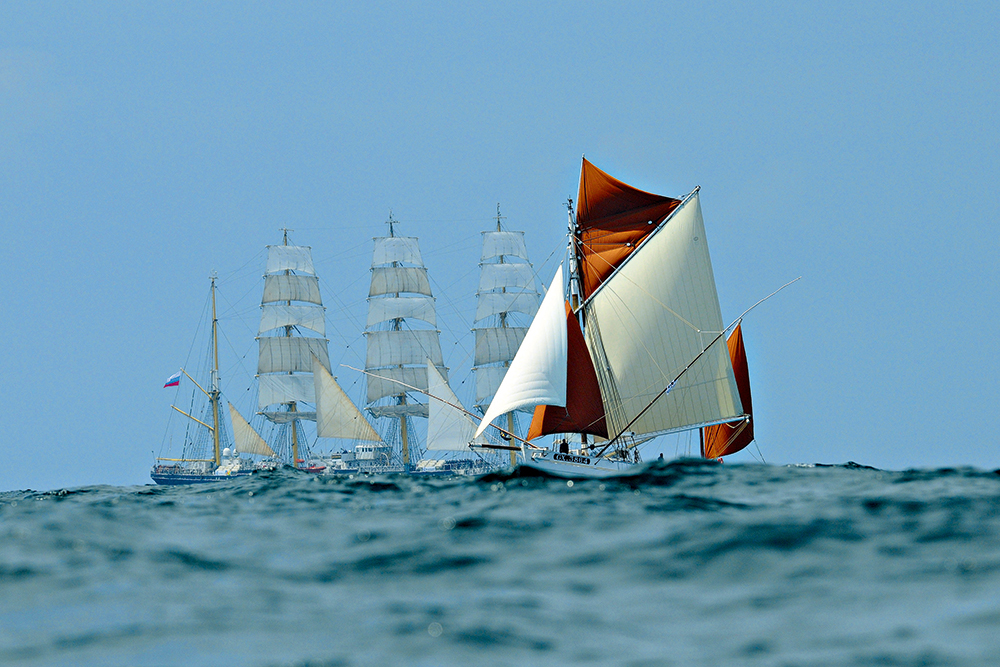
column 575, row 466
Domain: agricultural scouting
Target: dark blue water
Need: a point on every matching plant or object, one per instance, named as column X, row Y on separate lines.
column 686, row 564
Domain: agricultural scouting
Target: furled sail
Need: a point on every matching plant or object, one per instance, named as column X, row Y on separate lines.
column 537, row 374
column 246, row 439
column 448, row 427
column 336, row 414
column 655, row 316
column 724, row 439
column 612, row 219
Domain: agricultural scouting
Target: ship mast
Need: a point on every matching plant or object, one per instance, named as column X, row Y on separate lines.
column 396, row 326
column 504, row 325
column 214, row 393
column 292, row 405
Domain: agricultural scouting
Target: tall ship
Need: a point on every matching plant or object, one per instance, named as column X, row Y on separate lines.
column 404, row 368
column 211, row 452
column 297, row 398
column 629, row 343
column 505, row 303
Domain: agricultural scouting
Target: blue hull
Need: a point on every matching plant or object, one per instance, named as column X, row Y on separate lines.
column 192, row 478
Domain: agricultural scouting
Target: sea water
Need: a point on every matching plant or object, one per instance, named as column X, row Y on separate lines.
column 685, row 563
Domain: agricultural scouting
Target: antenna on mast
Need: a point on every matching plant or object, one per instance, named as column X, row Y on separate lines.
column 499, row 217
column 391, row 222
column 285, row 230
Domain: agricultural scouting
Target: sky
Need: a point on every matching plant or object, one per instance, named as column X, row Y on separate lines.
column 145, row 145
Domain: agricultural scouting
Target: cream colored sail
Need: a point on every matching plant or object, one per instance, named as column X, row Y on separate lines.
column 245, row 438
column 336, row 414
column 646, row 323
column 448, row 428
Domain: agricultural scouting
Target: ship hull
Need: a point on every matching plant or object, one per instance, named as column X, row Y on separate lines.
column 178, row 479
column 575, row 466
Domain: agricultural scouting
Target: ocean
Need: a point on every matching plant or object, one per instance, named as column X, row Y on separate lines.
column 684, row 563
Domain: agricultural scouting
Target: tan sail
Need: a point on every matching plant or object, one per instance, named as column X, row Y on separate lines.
column 245, row 438
column 336, row 414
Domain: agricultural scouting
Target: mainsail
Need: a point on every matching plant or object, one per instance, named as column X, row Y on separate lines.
column 400, row 332
column 652, row 325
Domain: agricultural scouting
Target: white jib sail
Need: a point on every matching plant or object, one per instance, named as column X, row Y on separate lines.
column 448, row 428
column 246, row 439
column 336, row 414
column 655, row 315
column 537, row 375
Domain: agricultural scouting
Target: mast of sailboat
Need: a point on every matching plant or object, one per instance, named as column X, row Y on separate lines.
column 292, row 405
column 504, row 325
column 396, row 326
column 214, row 394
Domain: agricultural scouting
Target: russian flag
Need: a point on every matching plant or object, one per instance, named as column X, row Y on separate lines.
column 174, row 380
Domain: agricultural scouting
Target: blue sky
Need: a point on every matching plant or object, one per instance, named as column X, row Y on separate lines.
column 144, row 145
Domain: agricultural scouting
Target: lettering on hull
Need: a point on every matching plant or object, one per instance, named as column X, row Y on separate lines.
column 571, row 458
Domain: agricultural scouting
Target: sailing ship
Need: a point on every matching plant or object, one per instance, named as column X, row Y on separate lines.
column 506, row 297
column 638, row 349
column 205, row 434
column 294, row 388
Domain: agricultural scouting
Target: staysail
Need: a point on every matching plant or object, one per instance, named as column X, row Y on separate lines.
column 336, row 414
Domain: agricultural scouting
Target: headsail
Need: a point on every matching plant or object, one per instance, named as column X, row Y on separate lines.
column 537, row 375
column 245, row 438
column 336, row 414
column 724, row 439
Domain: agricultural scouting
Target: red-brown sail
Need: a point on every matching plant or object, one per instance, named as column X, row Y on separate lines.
column 612, row 219
column 725, row 439
column 584, row 411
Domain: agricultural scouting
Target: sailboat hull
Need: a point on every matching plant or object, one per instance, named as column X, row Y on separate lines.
column 575, row 466
column 178, row 479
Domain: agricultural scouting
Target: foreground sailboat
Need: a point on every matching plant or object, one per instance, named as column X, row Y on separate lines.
column 637, row 350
